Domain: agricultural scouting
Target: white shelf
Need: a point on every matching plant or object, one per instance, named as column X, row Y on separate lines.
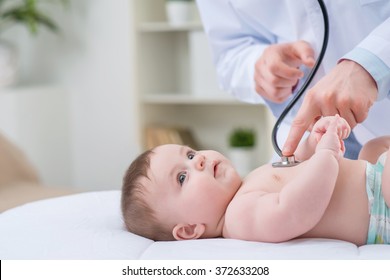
column 29, row 89
column 177, row 84
column 167, row 27
column 180, row 98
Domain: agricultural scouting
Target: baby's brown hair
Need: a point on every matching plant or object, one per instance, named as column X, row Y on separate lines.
column 138, row 216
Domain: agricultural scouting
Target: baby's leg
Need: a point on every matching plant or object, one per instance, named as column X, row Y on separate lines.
column 371, row 151
column 386, row 179
column 374, row 148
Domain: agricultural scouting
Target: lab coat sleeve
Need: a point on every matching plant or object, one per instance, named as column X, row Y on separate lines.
column 373, row 53
column 236, row 46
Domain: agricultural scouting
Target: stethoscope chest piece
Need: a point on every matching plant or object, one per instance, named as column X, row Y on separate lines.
column 290, row 160
column 286, row 162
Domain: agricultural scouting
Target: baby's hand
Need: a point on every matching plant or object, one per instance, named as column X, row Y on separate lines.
column 329, row 133
column 321, row 126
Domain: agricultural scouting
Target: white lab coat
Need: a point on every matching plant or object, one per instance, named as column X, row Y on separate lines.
column 239, row 30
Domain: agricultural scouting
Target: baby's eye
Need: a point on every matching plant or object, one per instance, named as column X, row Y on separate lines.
column 181, row 178
column 190, row 154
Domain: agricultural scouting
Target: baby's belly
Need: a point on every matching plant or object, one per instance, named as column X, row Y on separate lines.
column 347, row 216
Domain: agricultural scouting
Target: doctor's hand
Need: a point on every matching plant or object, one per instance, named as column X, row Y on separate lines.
column 277, row 70
column 348, row 90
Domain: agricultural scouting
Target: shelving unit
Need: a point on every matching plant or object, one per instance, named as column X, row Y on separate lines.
column 177, row 85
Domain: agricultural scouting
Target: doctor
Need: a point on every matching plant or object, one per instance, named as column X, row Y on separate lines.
column 263, row 52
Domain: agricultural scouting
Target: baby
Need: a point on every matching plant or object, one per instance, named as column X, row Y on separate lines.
column 173, row 192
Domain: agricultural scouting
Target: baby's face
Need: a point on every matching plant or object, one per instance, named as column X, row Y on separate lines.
column 190, row 186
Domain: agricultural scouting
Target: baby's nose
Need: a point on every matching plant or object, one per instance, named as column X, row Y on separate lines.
column 200, row 162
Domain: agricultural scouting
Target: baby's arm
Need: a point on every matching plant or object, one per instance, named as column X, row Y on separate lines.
column 307, row 147
column 302, row 202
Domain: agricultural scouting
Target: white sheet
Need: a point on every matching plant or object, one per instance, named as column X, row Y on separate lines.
column 89, row 226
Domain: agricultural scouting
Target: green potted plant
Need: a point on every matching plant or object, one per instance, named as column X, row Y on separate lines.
column 242, row 142
column 179, row 11
column 242, row 137
column 28, row 13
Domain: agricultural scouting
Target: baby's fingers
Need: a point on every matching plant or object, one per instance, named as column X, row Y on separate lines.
column 344, row 127
column 334, row 126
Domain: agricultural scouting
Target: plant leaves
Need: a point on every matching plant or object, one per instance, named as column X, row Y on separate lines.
column 29, row 15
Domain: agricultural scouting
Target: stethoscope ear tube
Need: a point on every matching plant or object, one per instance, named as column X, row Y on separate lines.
column 298, row 95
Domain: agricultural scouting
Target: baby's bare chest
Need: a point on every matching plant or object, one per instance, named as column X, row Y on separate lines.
column 268, row 179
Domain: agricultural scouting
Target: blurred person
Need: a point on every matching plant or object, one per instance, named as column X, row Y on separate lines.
column 263, row 51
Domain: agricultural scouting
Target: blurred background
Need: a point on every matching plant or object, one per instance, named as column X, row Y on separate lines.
column 118, row 76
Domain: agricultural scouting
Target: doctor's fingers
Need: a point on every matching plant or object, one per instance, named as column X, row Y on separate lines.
column 275, row 67
column 277, row 95
column 347, row 114
column 274, row 88
column 278, row 79
column 360, row 107
column 307, row 115
column 333, row 111
column 352, row 108
column 303, row 51
column 294, row 53
column 330, row 103
column 283, row 70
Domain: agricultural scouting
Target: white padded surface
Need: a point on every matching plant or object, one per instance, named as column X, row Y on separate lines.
column 90, row 226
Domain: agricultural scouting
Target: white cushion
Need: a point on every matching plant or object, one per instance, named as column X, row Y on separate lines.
column 90, row 226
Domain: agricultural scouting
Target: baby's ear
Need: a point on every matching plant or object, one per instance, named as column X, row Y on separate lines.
column 187, row 231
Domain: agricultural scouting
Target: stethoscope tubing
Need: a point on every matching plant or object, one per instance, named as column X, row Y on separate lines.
column 306, row 83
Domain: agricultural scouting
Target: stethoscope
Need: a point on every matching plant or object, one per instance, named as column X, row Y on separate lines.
column 287, row 161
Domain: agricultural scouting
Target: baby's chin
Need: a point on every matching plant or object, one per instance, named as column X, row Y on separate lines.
column 235, row 181
column 237, row 177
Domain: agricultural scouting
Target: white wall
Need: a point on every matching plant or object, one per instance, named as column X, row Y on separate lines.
column 36, row 119
column 92, row 59
column 100, row 78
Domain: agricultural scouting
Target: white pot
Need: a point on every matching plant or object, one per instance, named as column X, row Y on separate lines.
column 8, row 64
column 242, row 159
column 179, row 12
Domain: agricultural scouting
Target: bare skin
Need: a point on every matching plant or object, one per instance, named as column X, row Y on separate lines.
column 200, row 195
column 275, row 205
column 344, row 215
